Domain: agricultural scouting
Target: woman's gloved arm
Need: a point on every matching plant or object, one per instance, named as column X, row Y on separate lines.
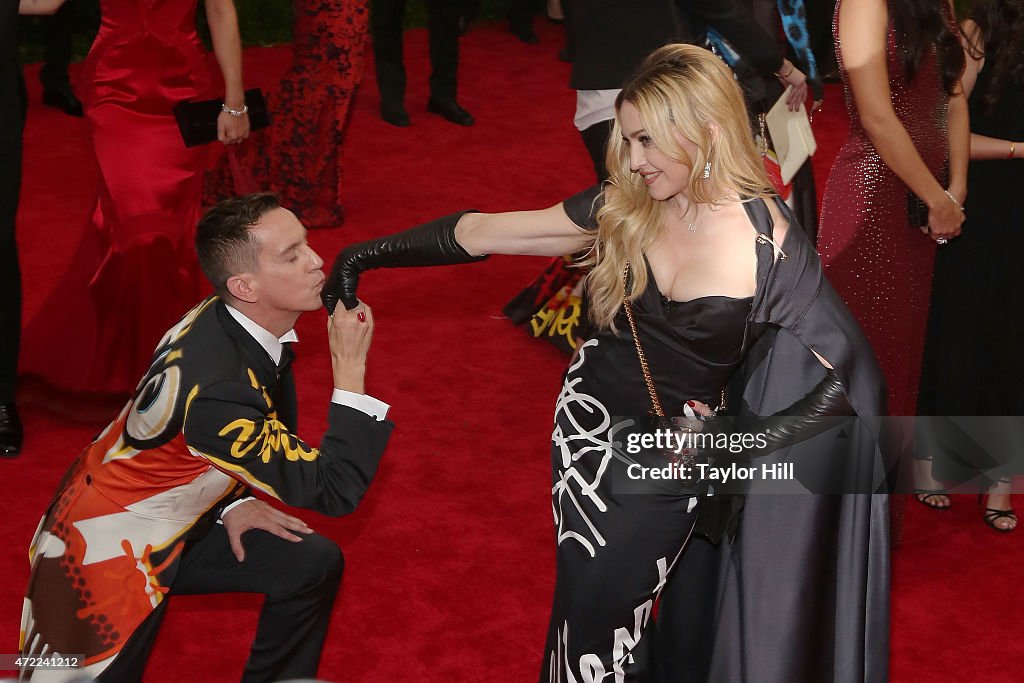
column 807, row 417
column 563, row 228
column 429, row 244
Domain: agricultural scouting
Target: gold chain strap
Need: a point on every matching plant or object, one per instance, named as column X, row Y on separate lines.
column 762, row 123
column 655, row 402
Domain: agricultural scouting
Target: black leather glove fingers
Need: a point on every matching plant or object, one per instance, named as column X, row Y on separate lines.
column 342, row 281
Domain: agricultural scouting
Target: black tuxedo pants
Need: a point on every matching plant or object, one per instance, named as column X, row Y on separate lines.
column 595, row 139
column 300, row 581
column 386, row 27
column 12, row 117
column 520, row 12
column 57, row 32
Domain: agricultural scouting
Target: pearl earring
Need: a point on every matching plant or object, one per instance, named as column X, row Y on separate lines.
column 707, row 171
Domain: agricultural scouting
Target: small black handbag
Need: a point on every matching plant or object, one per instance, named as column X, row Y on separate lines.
column 197, row 121
column 917, row 211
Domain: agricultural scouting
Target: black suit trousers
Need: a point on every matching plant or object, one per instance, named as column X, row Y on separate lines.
column 300, row 581
column 12, row 118
column 57, row 32
column 386, row 27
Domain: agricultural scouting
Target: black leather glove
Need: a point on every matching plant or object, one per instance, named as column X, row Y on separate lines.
column 429, row 244
column 804, row 419
column 811, row 415
column 807, row 417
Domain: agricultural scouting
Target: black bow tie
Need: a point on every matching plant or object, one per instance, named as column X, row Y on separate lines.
column 287, row 355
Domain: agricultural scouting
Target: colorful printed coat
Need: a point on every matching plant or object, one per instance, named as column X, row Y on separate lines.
column 210, row 418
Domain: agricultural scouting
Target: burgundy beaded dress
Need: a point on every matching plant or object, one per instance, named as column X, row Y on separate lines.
column 879, row 264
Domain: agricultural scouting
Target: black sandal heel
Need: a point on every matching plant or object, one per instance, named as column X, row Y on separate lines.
column 992, row 515
column 924, row 497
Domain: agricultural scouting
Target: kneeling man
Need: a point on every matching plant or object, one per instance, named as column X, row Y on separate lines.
column 135, row 519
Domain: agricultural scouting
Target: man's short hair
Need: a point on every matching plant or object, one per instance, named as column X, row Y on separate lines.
column 224, row 243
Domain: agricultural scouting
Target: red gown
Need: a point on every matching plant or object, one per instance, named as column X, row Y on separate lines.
column 135, row 271
column 879, row 264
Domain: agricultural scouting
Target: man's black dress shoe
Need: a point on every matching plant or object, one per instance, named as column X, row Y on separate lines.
column 64, row 99
column 523, row 30
column 395, row 114
column 451, row 111
column 11, row 433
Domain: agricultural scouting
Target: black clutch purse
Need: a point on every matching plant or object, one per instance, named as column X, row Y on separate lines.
column 197, row 121
column 917, row 211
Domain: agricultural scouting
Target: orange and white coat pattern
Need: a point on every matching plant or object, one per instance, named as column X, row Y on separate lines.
column 202, row 426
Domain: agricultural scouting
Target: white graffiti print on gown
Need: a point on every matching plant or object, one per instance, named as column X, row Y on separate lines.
column 574, row 442
column 591, row 669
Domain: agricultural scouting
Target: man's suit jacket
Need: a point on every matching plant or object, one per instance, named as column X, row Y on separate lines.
column 210, row 418
column 612, row 37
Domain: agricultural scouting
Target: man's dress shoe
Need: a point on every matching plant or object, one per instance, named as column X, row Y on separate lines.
column 450, row 111
column 64, row 99
column 523, row 30
column 11, row 433
column 395, row 114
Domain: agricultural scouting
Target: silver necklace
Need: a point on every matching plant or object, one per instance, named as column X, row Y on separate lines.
column 691, row 226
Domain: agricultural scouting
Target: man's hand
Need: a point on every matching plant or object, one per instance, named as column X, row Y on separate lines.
column 348, row 334
column 255, row 514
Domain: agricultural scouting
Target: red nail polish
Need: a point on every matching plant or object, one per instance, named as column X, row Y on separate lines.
column 690, row 403
column 361, row 316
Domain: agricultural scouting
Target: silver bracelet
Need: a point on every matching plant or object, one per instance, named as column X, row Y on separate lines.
column 235, row 112
column 953, row 199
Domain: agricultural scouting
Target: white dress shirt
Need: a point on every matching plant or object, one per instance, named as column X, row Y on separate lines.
column 274, row 346
column 594, row 106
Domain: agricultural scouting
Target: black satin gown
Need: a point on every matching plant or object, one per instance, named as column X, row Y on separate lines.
column 973, row 364
column 972, row 361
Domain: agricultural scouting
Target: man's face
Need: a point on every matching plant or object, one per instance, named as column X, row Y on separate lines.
column 289, row 278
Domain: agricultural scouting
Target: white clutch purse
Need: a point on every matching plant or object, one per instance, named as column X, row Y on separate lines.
column 791, row 135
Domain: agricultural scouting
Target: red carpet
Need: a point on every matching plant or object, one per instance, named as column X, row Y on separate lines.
column 449, row 559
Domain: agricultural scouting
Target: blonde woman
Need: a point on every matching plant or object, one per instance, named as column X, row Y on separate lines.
column 693, row 262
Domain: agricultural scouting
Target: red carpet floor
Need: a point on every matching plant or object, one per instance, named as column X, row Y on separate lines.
column 449, row 559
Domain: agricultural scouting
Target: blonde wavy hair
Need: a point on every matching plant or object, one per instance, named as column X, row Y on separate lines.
column 679, row 90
